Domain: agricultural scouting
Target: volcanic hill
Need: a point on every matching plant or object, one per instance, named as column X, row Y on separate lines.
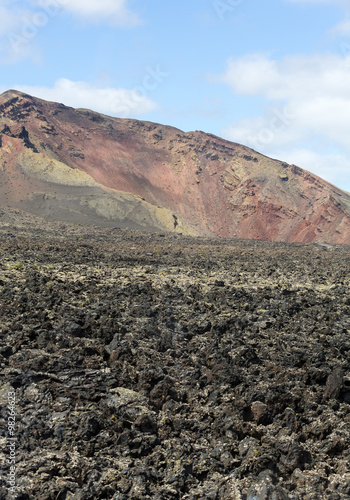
column 80, row 166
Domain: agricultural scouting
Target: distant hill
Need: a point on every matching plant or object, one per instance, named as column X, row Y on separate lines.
column 80, row 166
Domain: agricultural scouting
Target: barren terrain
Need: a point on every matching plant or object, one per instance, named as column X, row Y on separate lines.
column 161, row 366
column 79, row 166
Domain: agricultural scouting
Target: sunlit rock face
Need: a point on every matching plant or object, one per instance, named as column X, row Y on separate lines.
column 80, row 166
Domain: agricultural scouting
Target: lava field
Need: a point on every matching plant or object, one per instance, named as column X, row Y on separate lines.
column 161, row 366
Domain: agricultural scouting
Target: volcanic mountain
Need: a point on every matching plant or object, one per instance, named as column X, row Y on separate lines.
column 80, row 166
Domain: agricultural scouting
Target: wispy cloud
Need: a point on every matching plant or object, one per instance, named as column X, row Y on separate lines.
column 341, row 29
column 10, row 14
column 111, row 101
column 341, row 2
column 13, row 15
column 22, row 21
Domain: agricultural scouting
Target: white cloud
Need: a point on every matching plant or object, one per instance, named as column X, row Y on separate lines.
column 334, row 168
column 115, row 12
column 308, row 106
column 261, row 132
column 291, row 78
column 250, row 75
column 306, row 96
column 110, row 101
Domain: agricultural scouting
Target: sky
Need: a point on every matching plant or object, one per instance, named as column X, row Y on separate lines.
column 272, row 75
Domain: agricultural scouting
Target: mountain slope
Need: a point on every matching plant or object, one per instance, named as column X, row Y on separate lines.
column 78, row 165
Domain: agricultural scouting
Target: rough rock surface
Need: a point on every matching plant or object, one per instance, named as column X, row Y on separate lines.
column 81, row 166
column 150, row 366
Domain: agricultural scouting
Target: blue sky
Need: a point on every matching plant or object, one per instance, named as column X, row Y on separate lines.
column 272, row 75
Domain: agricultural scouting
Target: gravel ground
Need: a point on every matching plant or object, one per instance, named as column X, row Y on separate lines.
column 150, row 366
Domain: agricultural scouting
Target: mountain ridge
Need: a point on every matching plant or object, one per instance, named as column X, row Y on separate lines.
column 83, row 166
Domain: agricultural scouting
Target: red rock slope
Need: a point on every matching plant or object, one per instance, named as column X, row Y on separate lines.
column 78, row 165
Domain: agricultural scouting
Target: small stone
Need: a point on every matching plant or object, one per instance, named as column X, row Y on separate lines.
column 333, row 384
column 259, row 411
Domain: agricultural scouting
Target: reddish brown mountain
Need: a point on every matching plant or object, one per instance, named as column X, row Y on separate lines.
column 78, row 165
